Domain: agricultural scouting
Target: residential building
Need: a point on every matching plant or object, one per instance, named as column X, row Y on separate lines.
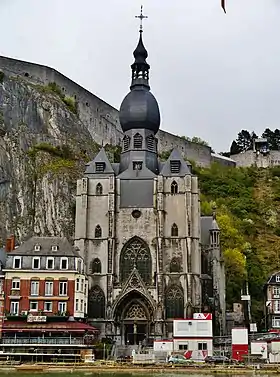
column 45, row 275
column 272, row 302
column 46, row 292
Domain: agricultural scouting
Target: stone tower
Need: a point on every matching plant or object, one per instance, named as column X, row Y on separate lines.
column 138, row 226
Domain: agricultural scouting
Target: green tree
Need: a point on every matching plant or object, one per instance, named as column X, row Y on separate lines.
column 244, row 140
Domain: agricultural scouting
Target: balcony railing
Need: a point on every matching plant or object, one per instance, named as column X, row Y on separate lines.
column 65, row 340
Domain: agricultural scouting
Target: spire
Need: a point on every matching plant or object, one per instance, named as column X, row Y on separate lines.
column 140, row 68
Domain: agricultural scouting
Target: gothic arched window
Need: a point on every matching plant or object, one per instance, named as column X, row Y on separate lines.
column 126, row 142
column 99, row 189
column 96, row 303
column 175, row 265
column 96, row 266
column 174, row 188
column 98, row 231
column 174, row 230
column 137, row 141
column 136, row 254
column 174, row 302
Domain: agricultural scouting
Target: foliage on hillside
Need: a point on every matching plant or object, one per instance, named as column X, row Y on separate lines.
column 248, row 202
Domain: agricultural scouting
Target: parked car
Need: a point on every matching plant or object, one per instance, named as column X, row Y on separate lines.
column 178, row 359
column 217, row 359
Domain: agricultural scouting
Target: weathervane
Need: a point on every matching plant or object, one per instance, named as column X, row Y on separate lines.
column 141, row 17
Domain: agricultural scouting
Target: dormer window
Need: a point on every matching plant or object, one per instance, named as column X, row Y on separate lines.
column 36, row 263
column 137, row 141
column 54, row 248
column 100, row 167
column 277, row 278
column 175, row 166
column 64, row 263
column 137, row 165
column 37, row 247
column 17, row 262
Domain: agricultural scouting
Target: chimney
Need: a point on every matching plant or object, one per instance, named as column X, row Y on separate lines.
column 10, row 243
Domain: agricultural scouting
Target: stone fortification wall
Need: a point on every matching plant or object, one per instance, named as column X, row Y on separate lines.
column 101, row 119
column 251, row 158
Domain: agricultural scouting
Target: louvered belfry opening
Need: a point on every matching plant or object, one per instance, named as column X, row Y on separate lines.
column 175, row 166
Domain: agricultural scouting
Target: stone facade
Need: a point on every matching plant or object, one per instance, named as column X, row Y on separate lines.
column 168, row 232
column 255, row 158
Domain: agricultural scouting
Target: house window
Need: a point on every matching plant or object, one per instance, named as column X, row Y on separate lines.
column 99, row 167
column 99, row 189
column 16, row 284
column 276, row 291
column 175, row 166
column 202, row 346
column 33, row 306
column 82, row 306
column 277, row 278
column 50, row 263
column 174, row 188
column 79, row 266
column 64, row 263
column 17, row 262
column 48, row 288
column 137, row 165
column 183, row 347
column 36, row 263
column 63, row 288
column 82, row 285
column 98, row 231
column 276, row 322
column 14, row 308
column 77, row 285
column 77, row 305
column 62, row 307
column 277, row 306
column 137, row 141
column 174, row 230
column 34, row 288
column 48, row 306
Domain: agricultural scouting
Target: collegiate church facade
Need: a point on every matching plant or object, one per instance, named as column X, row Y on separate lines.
column 138, row 228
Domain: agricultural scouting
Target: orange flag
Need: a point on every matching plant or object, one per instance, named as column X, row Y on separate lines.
column 223, row 4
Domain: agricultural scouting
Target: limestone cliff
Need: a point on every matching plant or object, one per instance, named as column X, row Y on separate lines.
column 43, row 148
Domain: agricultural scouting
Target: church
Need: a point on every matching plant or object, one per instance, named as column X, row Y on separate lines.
column 138, row 228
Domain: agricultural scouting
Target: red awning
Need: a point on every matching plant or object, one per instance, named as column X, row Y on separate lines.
column 20, row 326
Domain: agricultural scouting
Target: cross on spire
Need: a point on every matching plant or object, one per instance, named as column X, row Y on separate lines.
column 141, row 17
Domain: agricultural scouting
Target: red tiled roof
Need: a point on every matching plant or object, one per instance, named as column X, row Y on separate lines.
column 21, row 326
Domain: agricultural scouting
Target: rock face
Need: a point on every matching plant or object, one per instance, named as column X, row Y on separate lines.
column 43, row 148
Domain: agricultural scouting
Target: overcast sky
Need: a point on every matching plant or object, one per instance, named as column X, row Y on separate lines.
column 212, row 74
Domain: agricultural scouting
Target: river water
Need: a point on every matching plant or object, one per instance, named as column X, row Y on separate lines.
column 123, row 374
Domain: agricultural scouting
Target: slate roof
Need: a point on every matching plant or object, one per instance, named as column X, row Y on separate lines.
column 207, row 223
column 100, row 157
column 184, row 168
column 64, row 247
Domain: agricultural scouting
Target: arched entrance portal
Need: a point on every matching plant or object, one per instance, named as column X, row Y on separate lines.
column 135, row 316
